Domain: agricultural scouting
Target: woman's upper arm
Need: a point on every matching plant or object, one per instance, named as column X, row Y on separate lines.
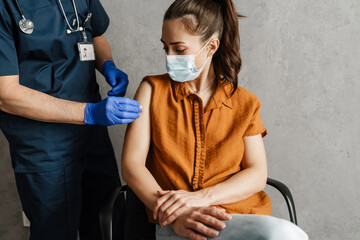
column 137, row 137
column 254, row 154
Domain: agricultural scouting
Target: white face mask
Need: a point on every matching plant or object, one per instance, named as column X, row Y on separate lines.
column 182, row 68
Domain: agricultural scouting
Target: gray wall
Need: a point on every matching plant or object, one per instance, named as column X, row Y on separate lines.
column 301, row 58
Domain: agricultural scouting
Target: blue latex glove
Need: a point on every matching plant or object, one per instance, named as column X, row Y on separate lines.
column 111, row 111
column 116, row 79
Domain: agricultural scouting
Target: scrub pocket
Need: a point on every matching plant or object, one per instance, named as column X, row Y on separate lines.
column 28, row 6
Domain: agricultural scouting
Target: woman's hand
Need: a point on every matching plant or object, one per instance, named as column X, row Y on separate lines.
column 172, row 204
column 197, row 223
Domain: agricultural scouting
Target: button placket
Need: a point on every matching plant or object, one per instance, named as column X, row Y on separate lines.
column 200, row 142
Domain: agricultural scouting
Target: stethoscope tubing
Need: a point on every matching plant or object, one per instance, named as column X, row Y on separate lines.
column 19, row 8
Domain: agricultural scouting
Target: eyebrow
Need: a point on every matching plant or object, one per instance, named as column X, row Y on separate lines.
column 173, row 43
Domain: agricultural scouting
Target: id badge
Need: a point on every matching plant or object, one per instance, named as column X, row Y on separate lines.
column 86, row 51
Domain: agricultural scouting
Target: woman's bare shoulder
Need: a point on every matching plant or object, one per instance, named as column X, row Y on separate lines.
column 143, row 94
column 148, row 85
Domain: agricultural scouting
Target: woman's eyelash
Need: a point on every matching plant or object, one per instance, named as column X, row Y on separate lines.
column 179, row 51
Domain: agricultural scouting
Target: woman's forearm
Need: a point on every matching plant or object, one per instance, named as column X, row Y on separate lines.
column 142, row 183
column 237, row 188
column 250, row 180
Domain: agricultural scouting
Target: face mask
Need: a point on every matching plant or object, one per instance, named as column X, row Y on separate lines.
column 182, row 68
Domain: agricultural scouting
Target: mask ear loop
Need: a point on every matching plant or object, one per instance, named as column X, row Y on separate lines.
column 200, row 52
column 203, row 47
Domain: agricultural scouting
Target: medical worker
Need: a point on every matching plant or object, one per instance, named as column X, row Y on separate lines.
column 52, row 114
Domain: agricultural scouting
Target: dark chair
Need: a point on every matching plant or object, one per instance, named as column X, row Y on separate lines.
column 106, row 213
column 285, row 191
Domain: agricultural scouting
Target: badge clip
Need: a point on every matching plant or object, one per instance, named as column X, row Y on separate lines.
column 86, row 49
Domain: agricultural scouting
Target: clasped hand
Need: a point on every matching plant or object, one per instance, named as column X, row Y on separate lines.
column 199, row 223
column 189, row 214
column 171, row 204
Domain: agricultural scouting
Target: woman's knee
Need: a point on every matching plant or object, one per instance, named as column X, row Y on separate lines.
column 261, row 227
column 282, row 229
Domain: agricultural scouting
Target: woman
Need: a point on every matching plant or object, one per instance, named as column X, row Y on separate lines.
column 198, row 142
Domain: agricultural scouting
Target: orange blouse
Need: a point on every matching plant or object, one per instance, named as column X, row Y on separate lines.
column 193, row 148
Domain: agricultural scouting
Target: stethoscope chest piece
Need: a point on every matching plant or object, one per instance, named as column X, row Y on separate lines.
column 26, row 26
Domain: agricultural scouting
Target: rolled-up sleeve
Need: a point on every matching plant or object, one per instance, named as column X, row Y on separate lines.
column 100, row 20
column 8, row 54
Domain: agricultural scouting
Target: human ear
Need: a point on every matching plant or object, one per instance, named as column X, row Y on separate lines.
column 213, row 46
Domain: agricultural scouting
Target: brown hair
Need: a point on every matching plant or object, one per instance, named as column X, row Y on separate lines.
column 207, row 17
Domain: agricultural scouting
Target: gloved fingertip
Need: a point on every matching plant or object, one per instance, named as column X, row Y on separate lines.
column 112, row 93
column 137, row 104
column 121, row 94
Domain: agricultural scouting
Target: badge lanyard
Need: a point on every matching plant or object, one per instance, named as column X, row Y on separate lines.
column 86, row 49
column 25, row 25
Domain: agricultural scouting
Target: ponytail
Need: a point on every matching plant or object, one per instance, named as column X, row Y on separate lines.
column 227, row 60
column 207, row 17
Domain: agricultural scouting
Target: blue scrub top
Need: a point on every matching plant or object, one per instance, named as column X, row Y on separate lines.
column 48, row 61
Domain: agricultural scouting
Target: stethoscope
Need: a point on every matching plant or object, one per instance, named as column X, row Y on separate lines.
column 27, row 26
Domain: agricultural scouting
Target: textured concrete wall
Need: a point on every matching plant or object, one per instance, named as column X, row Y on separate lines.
column 301, row 58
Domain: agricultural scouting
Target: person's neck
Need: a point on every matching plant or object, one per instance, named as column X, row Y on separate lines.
column 205, row 80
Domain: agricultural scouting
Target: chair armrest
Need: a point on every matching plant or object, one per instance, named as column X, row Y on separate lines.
column 285, row 191
column 106, row 213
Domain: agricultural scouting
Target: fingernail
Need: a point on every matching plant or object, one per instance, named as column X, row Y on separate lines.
column 223, row 226
column 217, row 233
column 223, row 210
column 164, row 223
column 141, row 107
column 230, row 217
